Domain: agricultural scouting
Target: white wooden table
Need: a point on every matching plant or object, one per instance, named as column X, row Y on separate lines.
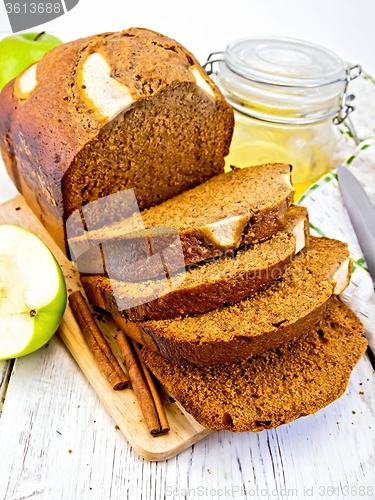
column 57, row 441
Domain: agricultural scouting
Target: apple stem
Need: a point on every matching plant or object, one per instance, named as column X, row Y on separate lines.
column 39, row 35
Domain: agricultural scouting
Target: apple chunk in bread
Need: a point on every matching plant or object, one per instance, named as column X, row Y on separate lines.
column 32, row 292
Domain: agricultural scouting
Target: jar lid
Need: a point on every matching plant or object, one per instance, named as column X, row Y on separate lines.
column 284, row 61
column 282, row 80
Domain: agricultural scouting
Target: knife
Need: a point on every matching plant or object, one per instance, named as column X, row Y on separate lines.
column 361, row 213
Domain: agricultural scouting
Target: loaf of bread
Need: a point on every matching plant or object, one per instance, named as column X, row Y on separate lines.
column 240, row 207
column 112, row 112
column 271, row 389
column 264, row 321
column 224, row 280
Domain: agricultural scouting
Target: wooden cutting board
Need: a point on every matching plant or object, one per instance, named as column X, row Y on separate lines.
column 122, row 405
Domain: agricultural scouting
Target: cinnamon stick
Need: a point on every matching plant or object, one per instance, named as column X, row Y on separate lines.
column 147, row 395
column 164, row 425
column 97, row 343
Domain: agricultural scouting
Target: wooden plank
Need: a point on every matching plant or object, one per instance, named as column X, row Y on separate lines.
column 50, row 409
column 121, row 404
column 5, row 371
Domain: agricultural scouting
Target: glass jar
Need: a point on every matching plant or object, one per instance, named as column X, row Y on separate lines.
column 286, row 95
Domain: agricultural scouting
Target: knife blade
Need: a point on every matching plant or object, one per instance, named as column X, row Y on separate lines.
column 361, row 213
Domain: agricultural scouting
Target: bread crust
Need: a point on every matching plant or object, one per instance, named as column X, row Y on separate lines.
column 43, row 136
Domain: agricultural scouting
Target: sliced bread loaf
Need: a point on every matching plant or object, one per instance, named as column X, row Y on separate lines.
column 276, row 387
column 224, row 280
column 132, row 109
column 240, row 207
column 265, row 320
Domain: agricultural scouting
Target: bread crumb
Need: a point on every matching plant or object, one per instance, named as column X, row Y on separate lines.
column 361, row 392
column 70, row 451
column 117, row 427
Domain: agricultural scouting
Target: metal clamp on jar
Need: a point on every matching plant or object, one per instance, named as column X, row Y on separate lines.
column 287, row 95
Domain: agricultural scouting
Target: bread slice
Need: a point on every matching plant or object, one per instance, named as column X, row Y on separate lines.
column 225, row 280
column 107, row 113
column 240, row 207
column 276, row 387
column 258, row 323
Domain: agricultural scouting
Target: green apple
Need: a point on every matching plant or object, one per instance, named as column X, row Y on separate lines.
column 32, row 292
column 17, row 52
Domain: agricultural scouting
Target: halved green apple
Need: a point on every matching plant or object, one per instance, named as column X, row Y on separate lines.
column 32, row 292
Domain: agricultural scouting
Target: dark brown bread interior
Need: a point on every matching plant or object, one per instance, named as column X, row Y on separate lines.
column 276, row 387
column 266, row 320
column 224, row 280
column 259, row 196
column 61, row 154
